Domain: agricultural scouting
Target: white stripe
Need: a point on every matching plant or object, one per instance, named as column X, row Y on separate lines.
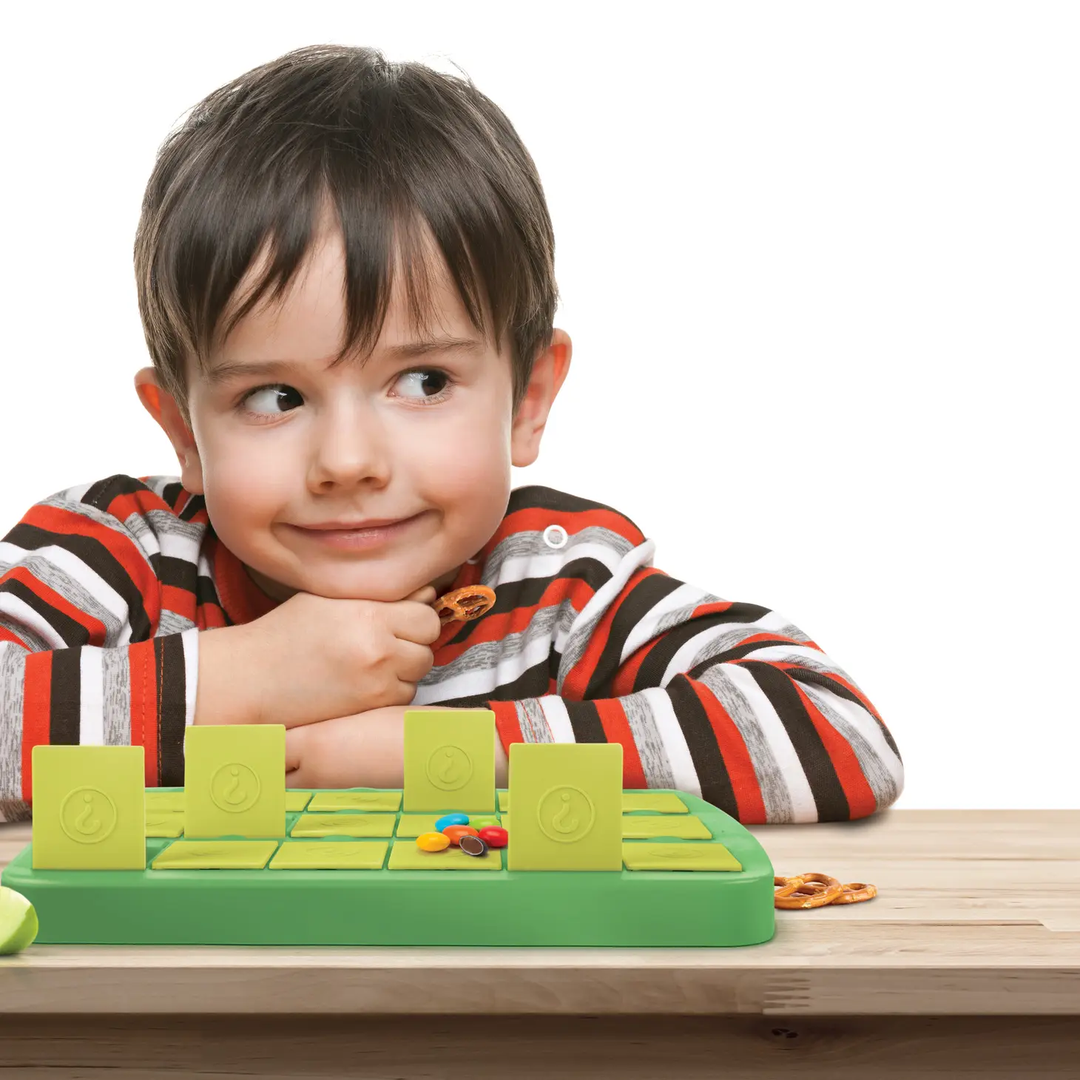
column 688, row 596
column 768, row 722
column 22, row 614
column 685, row 777
column 486, row 679
column 190, row 640
column 520, row 567
column 76, row 570
column 91, row 698
column 562, row 731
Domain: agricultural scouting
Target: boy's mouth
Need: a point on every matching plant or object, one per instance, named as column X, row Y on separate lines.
column 357, row 537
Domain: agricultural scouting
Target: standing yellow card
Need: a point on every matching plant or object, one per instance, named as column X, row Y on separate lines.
column 89, row 808
column 234, row 781
column 449, row 760
column 567, row 800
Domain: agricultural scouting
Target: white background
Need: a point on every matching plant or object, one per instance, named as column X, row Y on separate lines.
column 819, row 263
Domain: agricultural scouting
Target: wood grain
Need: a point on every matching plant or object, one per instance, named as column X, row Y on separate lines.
column 977, row 914
column 540, row 1048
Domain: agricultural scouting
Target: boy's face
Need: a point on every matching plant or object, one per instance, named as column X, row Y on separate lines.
column 429, row 438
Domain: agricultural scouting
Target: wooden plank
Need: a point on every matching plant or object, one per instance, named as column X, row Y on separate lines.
column 977, row 914
column 537, row 1048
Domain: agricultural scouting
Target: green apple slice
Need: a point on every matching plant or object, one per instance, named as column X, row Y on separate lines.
column 18, row 922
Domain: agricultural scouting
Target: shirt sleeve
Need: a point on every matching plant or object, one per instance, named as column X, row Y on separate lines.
column 728, row 701
column 87, row 653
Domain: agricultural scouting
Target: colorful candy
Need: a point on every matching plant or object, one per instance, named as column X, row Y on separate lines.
column 451, row 819
column 493, row 836
column 481, row 822
column 456, row 832
column 432, row 841
column 473, row 845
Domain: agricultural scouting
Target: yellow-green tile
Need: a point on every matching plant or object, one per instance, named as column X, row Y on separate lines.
column 89, row 808
column 405, row 855
column 662, row 802
column 647, row 826
column 687, row 856
column 355, row 800
column 449, row 760
column 504, row 800
column 215, row 855
column 169, row 824
column 567, row 801
column 344, row 825
column 234, row 778
column 415, row 824
column 330, row 855
column 164, row 802
column 296, row 801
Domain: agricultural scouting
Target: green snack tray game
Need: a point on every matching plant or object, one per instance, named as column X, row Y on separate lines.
column 445, row 905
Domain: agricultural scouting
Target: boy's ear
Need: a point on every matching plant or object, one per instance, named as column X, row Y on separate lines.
column 548, row 374
column 162, row 406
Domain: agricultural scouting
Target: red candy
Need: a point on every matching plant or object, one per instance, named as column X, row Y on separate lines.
column 493, row 836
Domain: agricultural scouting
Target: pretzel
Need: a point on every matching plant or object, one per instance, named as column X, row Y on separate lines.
column 464, row 604
column 817, row 890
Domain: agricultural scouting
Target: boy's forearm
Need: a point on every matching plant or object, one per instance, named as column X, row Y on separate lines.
column 228, row 682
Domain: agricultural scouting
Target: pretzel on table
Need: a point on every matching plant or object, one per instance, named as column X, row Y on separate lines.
column 816, row 890
column 464, row 604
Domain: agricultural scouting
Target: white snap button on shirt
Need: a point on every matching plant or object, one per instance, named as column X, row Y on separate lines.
column 555, row 536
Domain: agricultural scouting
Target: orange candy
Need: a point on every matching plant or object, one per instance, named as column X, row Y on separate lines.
column 455, row 832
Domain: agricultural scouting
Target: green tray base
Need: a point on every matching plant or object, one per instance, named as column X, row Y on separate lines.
column 624, row 908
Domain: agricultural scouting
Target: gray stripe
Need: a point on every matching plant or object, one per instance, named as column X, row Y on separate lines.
column 647, row 740
column 880, row 778
column 774, row 790
column 72, row 590
column 12, row 673
column 531, row 543
column 33, row 641
column 116, row 696
column 534, row 726
column 486, row 656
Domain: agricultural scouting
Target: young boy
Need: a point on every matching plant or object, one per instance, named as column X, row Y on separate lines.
column 374, row 237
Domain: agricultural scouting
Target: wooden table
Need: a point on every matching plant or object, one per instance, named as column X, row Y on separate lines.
column 968, row 961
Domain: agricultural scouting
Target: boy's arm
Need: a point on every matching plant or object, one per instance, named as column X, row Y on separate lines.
column 86, row 655
column 727, row 700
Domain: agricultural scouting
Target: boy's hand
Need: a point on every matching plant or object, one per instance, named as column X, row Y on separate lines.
column 313, row 658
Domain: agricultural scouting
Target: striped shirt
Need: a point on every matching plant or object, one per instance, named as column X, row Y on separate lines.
column 104, row 588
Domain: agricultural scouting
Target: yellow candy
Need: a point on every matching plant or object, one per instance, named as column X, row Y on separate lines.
column 432, row 841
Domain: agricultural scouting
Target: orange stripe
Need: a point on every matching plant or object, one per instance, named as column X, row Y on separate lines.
column 144, row 706
column 37, row 696
column 860, row 795
column 506, row 723
column 95, row 628
column 737, row 760
column 577, row 680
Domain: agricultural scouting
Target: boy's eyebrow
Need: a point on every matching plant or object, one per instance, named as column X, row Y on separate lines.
column 231, row 369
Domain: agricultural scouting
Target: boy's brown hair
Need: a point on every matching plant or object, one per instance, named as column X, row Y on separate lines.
column 390, row 146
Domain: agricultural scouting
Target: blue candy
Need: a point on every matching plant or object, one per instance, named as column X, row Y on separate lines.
column 451, row 819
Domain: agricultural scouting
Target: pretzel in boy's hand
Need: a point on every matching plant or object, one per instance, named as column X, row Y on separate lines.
column 464, row 604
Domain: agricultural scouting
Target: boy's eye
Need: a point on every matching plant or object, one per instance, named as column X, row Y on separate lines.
column 432, row 384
